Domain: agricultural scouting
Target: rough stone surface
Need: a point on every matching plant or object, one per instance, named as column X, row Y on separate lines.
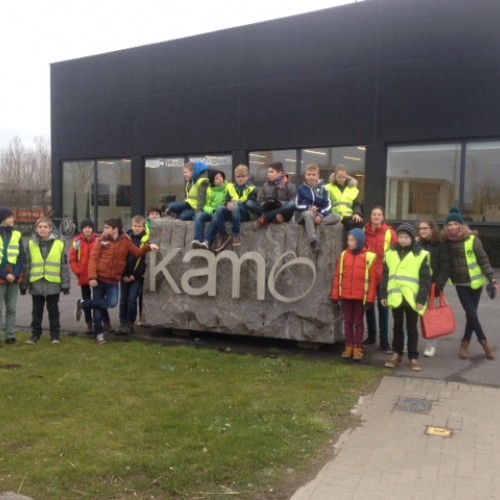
column 312, row 318
column 10, row 495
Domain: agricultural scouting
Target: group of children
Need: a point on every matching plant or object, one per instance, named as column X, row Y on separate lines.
column 211, row 199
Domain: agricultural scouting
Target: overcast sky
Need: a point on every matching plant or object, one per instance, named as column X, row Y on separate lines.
column 35, row 33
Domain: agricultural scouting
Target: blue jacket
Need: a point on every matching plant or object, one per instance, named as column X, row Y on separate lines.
column 316, row 196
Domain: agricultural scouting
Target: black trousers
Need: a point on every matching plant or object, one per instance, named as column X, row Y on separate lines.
column 39, row 302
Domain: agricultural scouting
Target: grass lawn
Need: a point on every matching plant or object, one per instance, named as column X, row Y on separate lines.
column 138, row 420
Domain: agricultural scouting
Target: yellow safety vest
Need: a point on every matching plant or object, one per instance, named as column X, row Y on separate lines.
column 370, row 259
column 144, row 240
column 342, row 201
column 477, row 278
column 50, row 269
column 192, row 196
column 12, row 248
column 404, row 278
column 233, row 194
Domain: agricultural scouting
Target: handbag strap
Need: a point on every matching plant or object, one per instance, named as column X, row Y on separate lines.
column 432, row 298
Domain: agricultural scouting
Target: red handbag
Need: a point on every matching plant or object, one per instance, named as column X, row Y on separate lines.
column 438, row 321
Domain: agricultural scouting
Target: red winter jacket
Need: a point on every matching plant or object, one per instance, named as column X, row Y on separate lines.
column 79, row 257
column 375, row 239
column 352, row 283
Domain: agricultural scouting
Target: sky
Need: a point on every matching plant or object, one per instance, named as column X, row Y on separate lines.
column 36, row 33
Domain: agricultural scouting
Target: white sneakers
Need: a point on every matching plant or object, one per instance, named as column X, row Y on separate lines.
column 430, row 350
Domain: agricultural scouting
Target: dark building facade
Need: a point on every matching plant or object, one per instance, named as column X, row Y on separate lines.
column 405, row 94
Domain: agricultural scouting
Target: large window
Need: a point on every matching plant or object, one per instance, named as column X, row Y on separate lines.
column 78, row 179
column 164, row 181
column 422, row 181
column 482, row 182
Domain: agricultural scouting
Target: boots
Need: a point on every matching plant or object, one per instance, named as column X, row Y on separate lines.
column 90, row 330
column 107, row 327
column 487, row 349
column 357, row 353
column 463, row 353
column 347, row 354
column 395, row 361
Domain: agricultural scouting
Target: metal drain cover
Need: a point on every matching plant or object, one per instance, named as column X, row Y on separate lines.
column 413, row 405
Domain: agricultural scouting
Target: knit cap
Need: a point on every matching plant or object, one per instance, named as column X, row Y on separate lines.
column 455, row 216
column 87, row 223
column 359, row 236
column 4, row 213
column 212, row 173
column 407, row 228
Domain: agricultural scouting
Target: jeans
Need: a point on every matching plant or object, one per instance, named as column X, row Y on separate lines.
column 129, row 293
column 469, row 298
column 353, row 321
column 105, row 297
column 39, row 302
column 86, row 295
column 306, row 217
column 398, row 342
column 199, row 226
column 286, row 209
column 236, row 216
column 8, row 296
column 383, row 321
column 182, row 209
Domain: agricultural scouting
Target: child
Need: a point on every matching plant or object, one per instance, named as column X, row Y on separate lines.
column 79, row 261
column 276, row 196
column 47, row 275
column 314, row 205
column 241, row 201
column 133, row 277
column 355, row 285
column 379, row 237
column 216, row 197
column 107, row 263
column 12, row 258
column 406, row 284
column 196, row 177
column 154, row 213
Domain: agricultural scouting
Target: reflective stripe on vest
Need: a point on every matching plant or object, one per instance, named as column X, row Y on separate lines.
column 369, row 260
column 144, row 240
column 192, row 197
column 404, row 278
column 342, row 201
column 387, row 240
column 231, row 190
column 50, row 268
column 12, row 248
column 477, row 278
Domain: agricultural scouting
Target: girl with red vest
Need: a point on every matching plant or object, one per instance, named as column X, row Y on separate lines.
column 379, row 237
column 355, row 287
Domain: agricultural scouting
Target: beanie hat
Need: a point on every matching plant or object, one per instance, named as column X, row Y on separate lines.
column 455, row 216
column 4, row 213
column 114, row 223
column 359, row 236
column 87, row 223
column 407, row 228
column 212, row 173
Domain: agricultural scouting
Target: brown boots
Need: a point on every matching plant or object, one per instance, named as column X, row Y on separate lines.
column 463, row 353
column 347, row 354
column 487, row 349
column 353, row 351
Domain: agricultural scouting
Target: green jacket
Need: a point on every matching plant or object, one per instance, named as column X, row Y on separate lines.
column 216, row 197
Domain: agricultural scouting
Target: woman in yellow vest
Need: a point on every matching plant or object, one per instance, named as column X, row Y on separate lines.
column 406, row 284
column 470, row 271
column 47, row 275
column 12, row 259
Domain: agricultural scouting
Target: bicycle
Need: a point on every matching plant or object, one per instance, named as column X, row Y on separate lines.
column 66, row 228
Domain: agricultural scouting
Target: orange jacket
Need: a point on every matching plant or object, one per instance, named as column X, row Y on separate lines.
column 375, row 241
column 79, row 255
column 109, row 257
column 351, row 285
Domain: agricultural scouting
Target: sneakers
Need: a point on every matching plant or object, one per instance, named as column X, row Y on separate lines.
column 369, row 341
column 11, row 341
column 78, row 309
column 260, row 222
column 394, row 362
column 280, row 219
column 33, row 340
column 414, row 365
column 236, row 240
column 55, row 341
column 223, row 242
column 100, row 339
column 314, row 246
column 195, row 245
column 204, row 245
column 386, row 348
column 429, row 352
